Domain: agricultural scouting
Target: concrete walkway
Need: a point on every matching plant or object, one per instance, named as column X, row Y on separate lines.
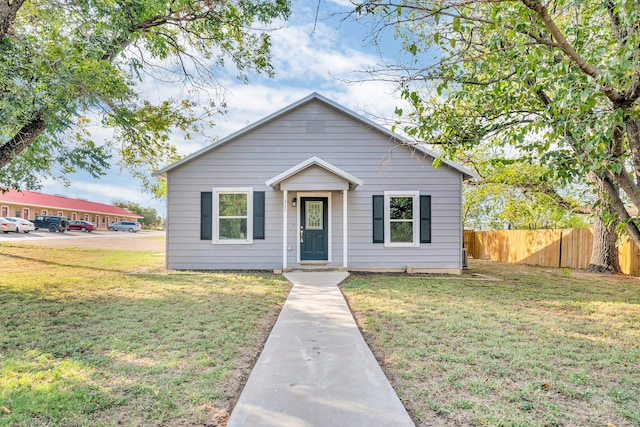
column 315, row 368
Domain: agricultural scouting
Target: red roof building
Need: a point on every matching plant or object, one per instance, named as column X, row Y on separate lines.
column 29, row 204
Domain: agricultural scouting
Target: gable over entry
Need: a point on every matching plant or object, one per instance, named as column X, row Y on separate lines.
column 314, row 175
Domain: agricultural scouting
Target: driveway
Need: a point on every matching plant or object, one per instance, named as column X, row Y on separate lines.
column 146, row 241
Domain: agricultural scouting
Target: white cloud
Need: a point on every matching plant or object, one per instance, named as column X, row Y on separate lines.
column 314, row 52
column 342, row 3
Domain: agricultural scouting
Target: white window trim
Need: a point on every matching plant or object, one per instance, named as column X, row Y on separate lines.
column 215, row 202
column 416, row 219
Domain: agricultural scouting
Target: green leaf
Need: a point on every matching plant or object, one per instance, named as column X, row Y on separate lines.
column 456, row 24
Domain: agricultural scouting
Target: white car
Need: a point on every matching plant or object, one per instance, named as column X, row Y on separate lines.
column 130, row 226
column 21, row 224
column 6, row 225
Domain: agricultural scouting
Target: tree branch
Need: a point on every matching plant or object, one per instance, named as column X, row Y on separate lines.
column 626, row 183
column 21, row 140
column 8, row 12
column 618, row 205
column 617, row 98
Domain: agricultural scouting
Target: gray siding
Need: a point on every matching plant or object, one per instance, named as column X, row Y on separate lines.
column 314, row 178
column 314, row 129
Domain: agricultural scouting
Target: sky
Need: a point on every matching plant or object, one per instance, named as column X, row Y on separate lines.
column 323, row 55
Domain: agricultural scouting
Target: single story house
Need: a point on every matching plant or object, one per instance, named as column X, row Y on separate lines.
column 314, row 184
column 29, row 204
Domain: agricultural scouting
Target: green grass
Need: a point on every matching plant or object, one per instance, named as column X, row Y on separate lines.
column 540, row 347
column 105, row 337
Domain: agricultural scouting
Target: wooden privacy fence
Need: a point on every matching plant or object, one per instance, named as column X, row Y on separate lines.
column 569, row 248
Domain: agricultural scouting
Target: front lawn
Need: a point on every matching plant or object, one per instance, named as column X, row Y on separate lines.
column 105, row 337
column 539, row 347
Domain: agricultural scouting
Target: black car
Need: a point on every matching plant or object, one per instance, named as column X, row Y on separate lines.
column 51, row 223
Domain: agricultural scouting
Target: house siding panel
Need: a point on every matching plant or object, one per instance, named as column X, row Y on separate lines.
column 314, row 178
column 313, row 129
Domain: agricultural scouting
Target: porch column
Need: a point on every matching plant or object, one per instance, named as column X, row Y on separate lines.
column 344, row 228
column 285, row 197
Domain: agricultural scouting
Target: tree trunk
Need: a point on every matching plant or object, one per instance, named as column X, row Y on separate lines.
column 22, row 139
column 8, row 12
column 604, row 254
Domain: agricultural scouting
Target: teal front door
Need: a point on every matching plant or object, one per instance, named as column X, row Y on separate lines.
column 314, row 230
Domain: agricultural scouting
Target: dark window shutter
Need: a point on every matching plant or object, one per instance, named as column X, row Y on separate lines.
column 258, row 214
column 425, row 219
column 206, row 211
column 378, row 219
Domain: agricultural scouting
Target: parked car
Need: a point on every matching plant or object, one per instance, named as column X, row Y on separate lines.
column 51, row 223
column 130, row 226
column 22, row 224
column 84, row 226
column 6, row 225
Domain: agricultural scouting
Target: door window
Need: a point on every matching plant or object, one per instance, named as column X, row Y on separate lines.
column 313, row 215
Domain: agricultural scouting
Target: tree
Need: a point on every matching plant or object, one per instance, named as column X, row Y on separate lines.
column 513, row 193
column 150, row 215
column 65, row 64
column 559, row 81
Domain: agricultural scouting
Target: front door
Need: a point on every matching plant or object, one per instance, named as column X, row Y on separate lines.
column 314, row 230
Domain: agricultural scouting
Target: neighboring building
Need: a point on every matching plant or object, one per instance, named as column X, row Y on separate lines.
column 314, row 184
column 29, row 204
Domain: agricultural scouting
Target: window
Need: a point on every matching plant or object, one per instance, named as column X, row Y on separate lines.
column 232, row 215
column 206, row 215
column 401, row 218
column 401, row 215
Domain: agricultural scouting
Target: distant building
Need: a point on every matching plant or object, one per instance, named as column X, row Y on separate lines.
column 29, row 204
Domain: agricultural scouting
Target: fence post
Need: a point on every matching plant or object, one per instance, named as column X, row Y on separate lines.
column 560, row 252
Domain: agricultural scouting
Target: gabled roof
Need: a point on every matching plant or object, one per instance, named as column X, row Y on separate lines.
column 467, row 174
column 50, row 201
column 314, row 161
